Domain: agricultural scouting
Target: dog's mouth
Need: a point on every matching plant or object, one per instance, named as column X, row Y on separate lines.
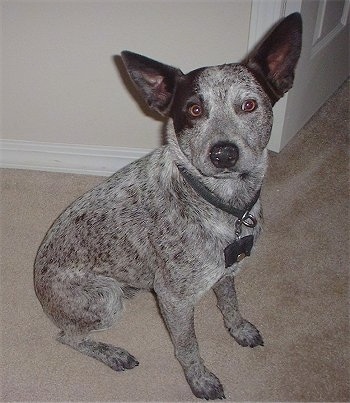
column 225, row 173
column 219, row 159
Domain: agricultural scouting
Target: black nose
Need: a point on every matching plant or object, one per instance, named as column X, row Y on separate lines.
column 224, row 155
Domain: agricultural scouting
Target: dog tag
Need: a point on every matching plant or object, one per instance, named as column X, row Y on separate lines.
column 238, row 250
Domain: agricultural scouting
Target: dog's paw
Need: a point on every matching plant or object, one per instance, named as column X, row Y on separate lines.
column 247, row 335
column 204, row 384
column 115, row 357
column 121, row 360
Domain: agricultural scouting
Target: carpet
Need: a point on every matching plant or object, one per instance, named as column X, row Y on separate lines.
column 295, row 289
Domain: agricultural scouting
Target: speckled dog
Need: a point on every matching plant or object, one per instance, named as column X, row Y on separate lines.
column 179, row 220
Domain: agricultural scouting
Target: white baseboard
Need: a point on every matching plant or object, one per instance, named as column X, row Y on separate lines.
column 69, row 158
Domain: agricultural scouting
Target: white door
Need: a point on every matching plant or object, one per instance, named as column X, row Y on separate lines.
column 324, row 62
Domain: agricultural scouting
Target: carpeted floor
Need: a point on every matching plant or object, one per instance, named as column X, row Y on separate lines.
column 295, row 289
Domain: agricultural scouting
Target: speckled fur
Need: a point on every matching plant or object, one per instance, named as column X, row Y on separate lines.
column 145, row 228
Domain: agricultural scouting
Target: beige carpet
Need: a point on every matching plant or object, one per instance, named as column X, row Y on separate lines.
column 295, row 290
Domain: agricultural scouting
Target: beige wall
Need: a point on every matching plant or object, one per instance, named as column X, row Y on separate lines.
column 59, row 82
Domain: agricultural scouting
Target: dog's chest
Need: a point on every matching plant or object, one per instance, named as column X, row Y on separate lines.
column 235, row 240
column 194, row 251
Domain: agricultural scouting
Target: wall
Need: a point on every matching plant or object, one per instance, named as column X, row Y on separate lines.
column 59, row 81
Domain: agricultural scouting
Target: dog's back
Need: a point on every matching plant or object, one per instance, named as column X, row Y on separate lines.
column 104, row 232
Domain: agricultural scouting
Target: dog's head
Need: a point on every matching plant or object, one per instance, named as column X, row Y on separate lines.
column 222, row 115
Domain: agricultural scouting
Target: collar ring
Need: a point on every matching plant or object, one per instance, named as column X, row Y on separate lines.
column 249, row 220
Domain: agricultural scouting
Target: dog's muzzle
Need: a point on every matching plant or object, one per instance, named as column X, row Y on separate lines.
column 224, row 155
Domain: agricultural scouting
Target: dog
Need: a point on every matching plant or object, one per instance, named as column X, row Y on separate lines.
column 178, row 221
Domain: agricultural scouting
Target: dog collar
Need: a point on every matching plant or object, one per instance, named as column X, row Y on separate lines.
column 242, row 214
column 242, row 246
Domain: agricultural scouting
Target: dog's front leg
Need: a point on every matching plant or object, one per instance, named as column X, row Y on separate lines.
column 179, row 318
column 245, row 333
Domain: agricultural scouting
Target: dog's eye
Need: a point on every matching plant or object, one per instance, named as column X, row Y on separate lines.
column 195, row 110
column 249, row 105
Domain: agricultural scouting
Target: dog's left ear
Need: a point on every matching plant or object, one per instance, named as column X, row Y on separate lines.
column 155, row 81
column 275, row 59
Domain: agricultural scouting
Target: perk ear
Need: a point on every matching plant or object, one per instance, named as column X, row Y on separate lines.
column 155, row 81
column 274, row 61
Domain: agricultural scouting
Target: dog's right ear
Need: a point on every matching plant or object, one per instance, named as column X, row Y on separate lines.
column 274, row 61
column 155, row 81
